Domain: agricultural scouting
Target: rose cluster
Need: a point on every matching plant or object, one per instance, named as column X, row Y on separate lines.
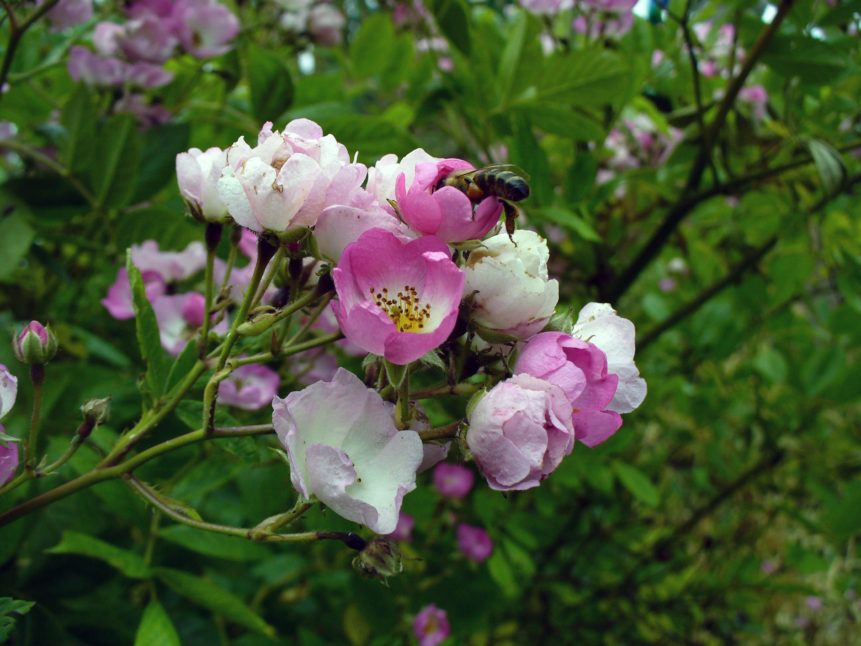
column 423, row 281
column 133, row 53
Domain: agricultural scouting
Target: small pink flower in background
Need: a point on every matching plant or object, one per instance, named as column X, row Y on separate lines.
column 453, row 480
column 615, row 336
column 445, row 212
column 8, row 459
column 178, row 317
column 580, row 370
column 404, row 529
column 68, row 13
column 768, row 566
column 509, row 286
column 473, row 542
column 431, row 626
column 145, row 75
column 206, row 27
column 106, row 38
column 756, row 97
column 667, row 284
column 249, row 387
column 545, row 7
column 171, row 266
column 395, row 299
column 814, row 603
column 326, row 24
column 147, row 114
column 95, row 70
column 288, row 178
column 146, row 39
column 311, row 366
column 343, row 448
column 118, row 302
column 8, row 390
column 197, row 173
column 519, row 432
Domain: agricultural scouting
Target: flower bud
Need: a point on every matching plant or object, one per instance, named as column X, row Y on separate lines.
column 380, row 559
column 97, row 410
column 508, row 283
column 35, row 344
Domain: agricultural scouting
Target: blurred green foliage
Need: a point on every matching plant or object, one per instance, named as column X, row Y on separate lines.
column 729, row 499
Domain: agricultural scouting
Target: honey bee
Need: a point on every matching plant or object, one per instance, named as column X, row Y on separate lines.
column 502, row 181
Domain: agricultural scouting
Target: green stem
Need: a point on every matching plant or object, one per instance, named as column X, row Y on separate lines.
column 463, row 388
column 253, row 533
column 269, row 277
column 449, row 431
column 312, row 318
column 153, row 417
column 37, row 376
column 287, row 350
column 105, row 471
column 16, row 31
column 231, row 260
column 213, row 237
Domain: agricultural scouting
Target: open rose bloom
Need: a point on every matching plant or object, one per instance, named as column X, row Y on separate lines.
column 395, row 299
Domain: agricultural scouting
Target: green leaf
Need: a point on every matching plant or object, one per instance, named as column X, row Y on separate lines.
column 129, row 563
column 158, row 159
column 812, row 61
column 146, row 326
column 156, row 628
column 171, row 229
column 182, row 365
column 15, row 239
column 206, row 593
column 527, row 153
column 453, row 21
column 569, row 220
column 770, row 364
column 117, row 149
column 79, row 119
column 270, row 83
column 843, row 518
column 562, row 121
column 829, row 164
column 370, row 51
column 584, row 78
column 501, row 571
column 637, row 483
column 8, row 606
column 217, row 545
column 510, row 58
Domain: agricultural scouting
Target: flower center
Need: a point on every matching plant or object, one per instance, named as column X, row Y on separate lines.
column 405, row 309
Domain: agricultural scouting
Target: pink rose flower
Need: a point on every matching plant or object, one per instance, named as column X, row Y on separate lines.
column 147, row 38
column 445, row 212
column 395, row 299
column 8, row 459
column 171, row 266
column 519, row 432
column 453, row 480
column 383, row 176
column 249, row 387
column 8, row 390
column 343, row 448
column 326, row 24
column 197, row 173
column 616, row 338
column 473, row 542
column 341, row 225
column 404, row 529
column 288, row 179
column 431, row 626
column 580, row 370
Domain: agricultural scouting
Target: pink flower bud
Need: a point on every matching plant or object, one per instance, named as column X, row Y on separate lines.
column 194, row 309
column 453, row 480
column 197, row 173
column 473, row 542
column 35, row 344
column 519, row 432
